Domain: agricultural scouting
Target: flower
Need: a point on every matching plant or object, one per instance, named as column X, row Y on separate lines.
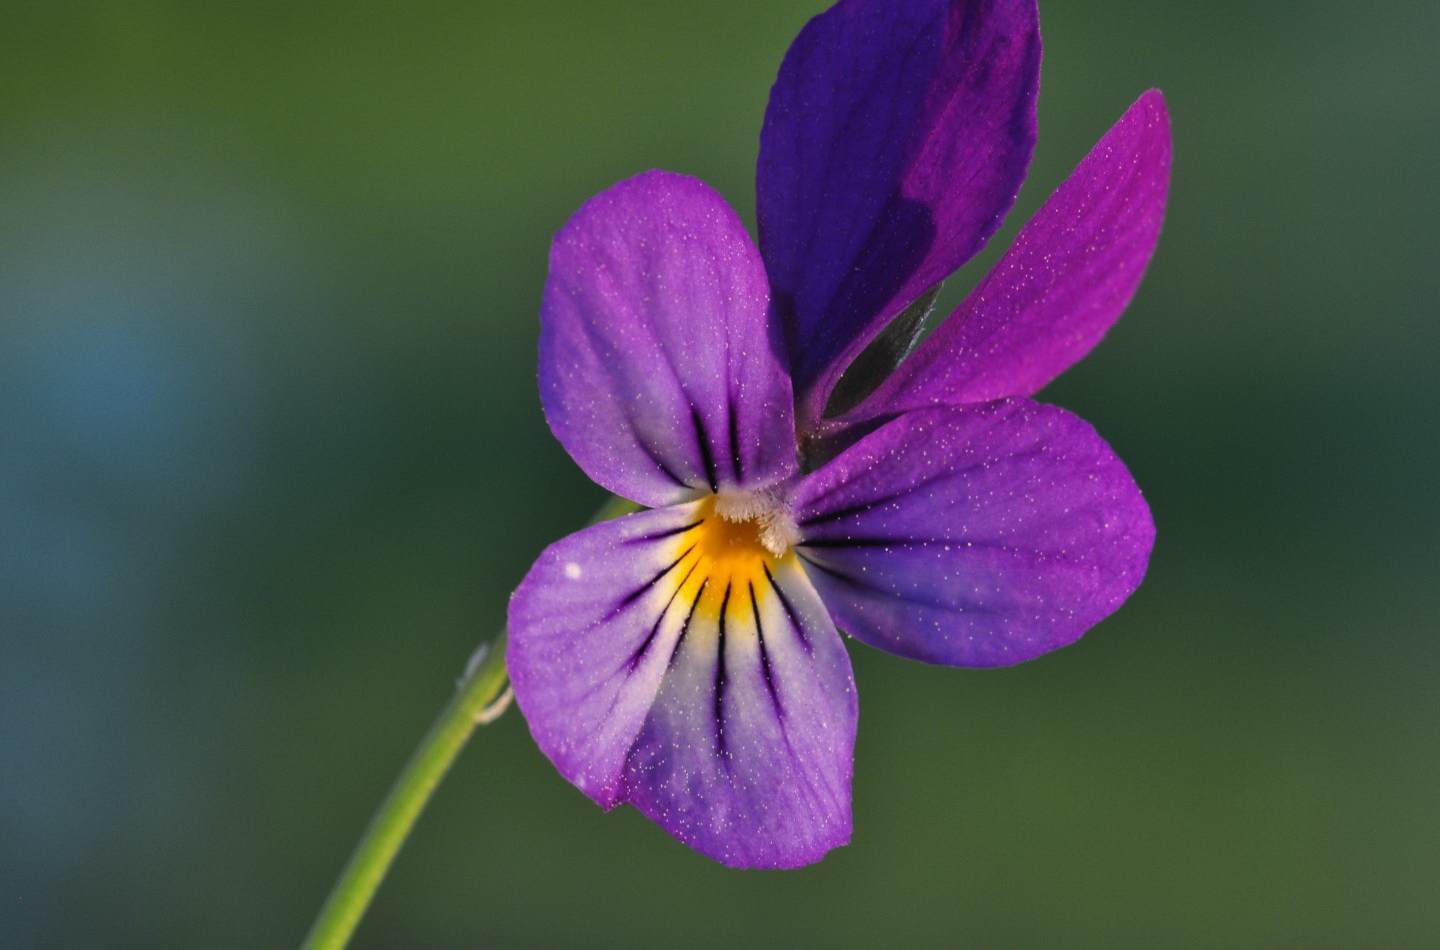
column 686, row 659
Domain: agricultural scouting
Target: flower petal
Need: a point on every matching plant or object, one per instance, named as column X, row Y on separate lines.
column 724, row 710
column 896, row 139
column 1067, row 278
column 658, row 372
column 584, row 612
column 974, row 536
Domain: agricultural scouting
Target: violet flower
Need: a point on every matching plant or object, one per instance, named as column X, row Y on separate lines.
column 686, row 659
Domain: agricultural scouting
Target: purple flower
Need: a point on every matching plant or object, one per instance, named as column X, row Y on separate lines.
column 686, row 659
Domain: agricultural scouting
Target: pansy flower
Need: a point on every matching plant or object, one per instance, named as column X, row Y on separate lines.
column 799, row 473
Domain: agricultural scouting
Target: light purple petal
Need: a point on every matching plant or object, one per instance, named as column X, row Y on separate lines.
column 658, row 371
column 736, row 735
column 576, row 625
column 974, row 536
column 1072, row 270
column 896, row 139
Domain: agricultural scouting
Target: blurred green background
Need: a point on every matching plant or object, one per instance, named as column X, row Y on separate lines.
column 271, row 457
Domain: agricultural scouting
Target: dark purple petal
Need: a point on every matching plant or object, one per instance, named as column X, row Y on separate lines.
column 716, row 696
column 1072, row 270
column 658, row 372
column 974, row 536
column 896, row 139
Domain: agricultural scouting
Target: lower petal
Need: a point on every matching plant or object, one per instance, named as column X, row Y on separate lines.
column 974, row 536
column 718, row 700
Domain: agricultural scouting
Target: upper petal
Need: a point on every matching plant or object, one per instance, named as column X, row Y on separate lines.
column 714, row 695
column 976, row 535
column 658, row 371
column 896, row 138
column 1069, row 275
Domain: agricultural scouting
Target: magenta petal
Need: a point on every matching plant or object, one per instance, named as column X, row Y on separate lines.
column 974, row 536
column 1067, row 278
column 658, row 372
column 727, row 716
column 896, row 139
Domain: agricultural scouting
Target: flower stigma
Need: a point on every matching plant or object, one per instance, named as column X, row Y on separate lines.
column 766, row 510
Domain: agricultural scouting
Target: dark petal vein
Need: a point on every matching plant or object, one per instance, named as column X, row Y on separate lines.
column 868, row 542
column 735, row 453
column 667, row 533
column 720, row 682
column 765, row 655
column 685, row 627
column 644, row 648
column 707, row 457
column 639, row 592
column 789, row 610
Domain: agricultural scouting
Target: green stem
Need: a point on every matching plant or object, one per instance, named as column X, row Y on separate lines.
column 412, row 790
column 478, row 700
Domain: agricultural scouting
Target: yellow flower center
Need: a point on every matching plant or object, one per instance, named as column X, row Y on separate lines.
column 732, row 553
